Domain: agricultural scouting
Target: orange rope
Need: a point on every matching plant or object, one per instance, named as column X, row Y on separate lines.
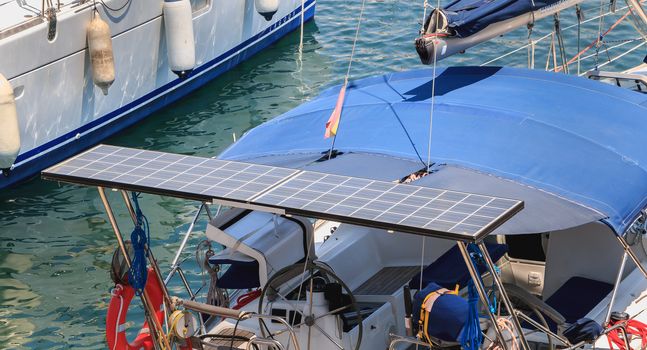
column 558, row 69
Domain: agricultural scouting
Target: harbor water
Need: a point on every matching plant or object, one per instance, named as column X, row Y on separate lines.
column 56, row 244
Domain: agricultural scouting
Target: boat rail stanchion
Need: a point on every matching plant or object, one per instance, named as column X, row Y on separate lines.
column 504, row 296
column 236, row 314
column 176, row 258
column 481, row 291
column 150, row 310
column 541, row 327
column 631, row 254
column 269, row 343
column 616, row 285
column 153, row 261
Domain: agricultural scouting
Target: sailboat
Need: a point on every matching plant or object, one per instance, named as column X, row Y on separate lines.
column 513, row 218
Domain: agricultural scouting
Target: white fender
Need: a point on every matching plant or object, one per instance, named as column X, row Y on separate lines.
column 101, row 56
column 267, row 8
column 178, row 25
column 9, row 131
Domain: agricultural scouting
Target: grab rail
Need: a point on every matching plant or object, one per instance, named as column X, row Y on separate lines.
column 238, row 315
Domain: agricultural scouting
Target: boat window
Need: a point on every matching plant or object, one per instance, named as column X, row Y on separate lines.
column 198, row 5
column 526, row 247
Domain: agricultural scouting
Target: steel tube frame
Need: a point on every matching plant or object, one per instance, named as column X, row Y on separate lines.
column 480, row 289
column 542, row 328
column 616, row 286
column 158, row 273
column 504, row 296
column 150, row 310
column 186, row 237
column 631, row 254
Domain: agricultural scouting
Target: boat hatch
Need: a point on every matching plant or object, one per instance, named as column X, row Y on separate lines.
column 397, row 207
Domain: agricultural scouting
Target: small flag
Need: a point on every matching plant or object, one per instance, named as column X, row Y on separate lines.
column 333, row 121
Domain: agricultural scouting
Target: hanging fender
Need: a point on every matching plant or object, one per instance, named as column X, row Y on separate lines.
column 118, row 312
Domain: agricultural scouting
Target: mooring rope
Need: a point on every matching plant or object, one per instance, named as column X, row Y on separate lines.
column 140, row 238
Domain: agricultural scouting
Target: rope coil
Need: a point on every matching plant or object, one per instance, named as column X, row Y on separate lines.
column 140, row 238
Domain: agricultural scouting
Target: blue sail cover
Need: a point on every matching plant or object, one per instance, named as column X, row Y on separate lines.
column 467, row 17
column 573, row 149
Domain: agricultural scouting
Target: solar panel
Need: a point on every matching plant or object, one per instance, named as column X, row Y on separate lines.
column 168, row 173
column 398, row 207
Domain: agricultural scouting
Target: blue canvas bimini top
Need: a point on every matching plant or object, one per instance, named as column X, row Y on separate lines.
column 573, row 149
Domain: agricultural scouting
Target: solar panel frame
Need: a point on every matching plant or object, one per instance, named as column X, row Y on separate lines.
column 386, row 205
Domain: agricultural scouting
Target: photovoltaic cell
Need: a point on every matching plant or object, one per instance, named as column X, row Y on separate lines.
column 201, row 178
column 398, row 207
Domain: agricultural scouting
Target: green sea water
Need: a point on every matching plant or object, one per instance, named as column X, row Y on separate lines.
column 55, row 241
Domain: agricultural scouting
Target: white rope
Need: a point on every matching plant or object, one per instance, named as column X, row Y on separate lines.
column 549, row 35
column 506, row 326
column 424, row 16
column 623, row 54
column 121, row 306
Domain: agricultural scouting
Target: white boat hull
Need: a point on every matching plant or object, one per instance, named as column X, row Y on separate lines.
column 61, row 111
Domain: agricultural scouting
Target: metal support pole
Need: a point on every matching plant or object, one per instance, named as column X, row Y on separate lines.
column 615, row 286
column 476, row 278
column 540, row 327
column 150, row 310
column 158, row 273
column 504, row 296
column 537, row 325
column 186, row 237
column 632, row 255
column 113, row 223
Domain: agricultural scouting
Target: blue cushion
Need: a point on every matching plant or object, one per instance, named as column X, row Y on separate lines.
column 447, row 317
column 584, row 329
column 450, row 269
column 578, row 296
column 240, row 275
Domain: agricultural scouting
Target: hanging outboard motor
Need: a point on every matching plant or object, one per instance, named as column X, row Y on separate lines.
column 429, row 43
column 9, row 130
column 267, row 8
column 180, row 45
column 100, row 50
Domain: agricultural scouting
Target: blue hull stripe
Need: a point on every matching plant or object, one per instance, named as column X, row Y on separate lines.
column 150, row 102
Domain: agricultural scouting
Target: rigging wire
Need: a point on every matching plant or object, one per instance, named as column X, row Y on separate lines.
column 112, row 9
column 597, row 43
column 433, row 93
column 350, row 64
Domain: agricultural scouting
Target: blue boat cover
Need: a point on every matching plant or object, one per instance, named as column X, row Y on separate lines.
column 573, row 149
column 467, row 17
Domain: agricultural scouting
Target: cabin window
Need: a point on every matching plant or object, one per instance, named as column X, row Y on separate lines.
column 199, row 5
column 526, row 247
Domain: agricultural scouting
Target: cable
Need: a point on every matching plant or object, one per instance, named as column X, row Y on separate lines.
column 112, row 9
column 233, row 334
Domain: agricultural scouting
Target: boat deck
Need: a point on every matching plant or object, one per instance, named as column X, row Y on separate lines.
column 387, row 281
column 18, row 15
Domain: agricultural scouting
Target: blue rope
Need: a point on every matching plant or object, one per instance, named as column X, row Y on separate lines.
column 140, row 239
column 471, row 336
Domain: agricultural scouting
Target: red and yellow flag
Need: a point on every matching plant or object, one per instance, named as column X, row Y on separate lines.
column 333, row 121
